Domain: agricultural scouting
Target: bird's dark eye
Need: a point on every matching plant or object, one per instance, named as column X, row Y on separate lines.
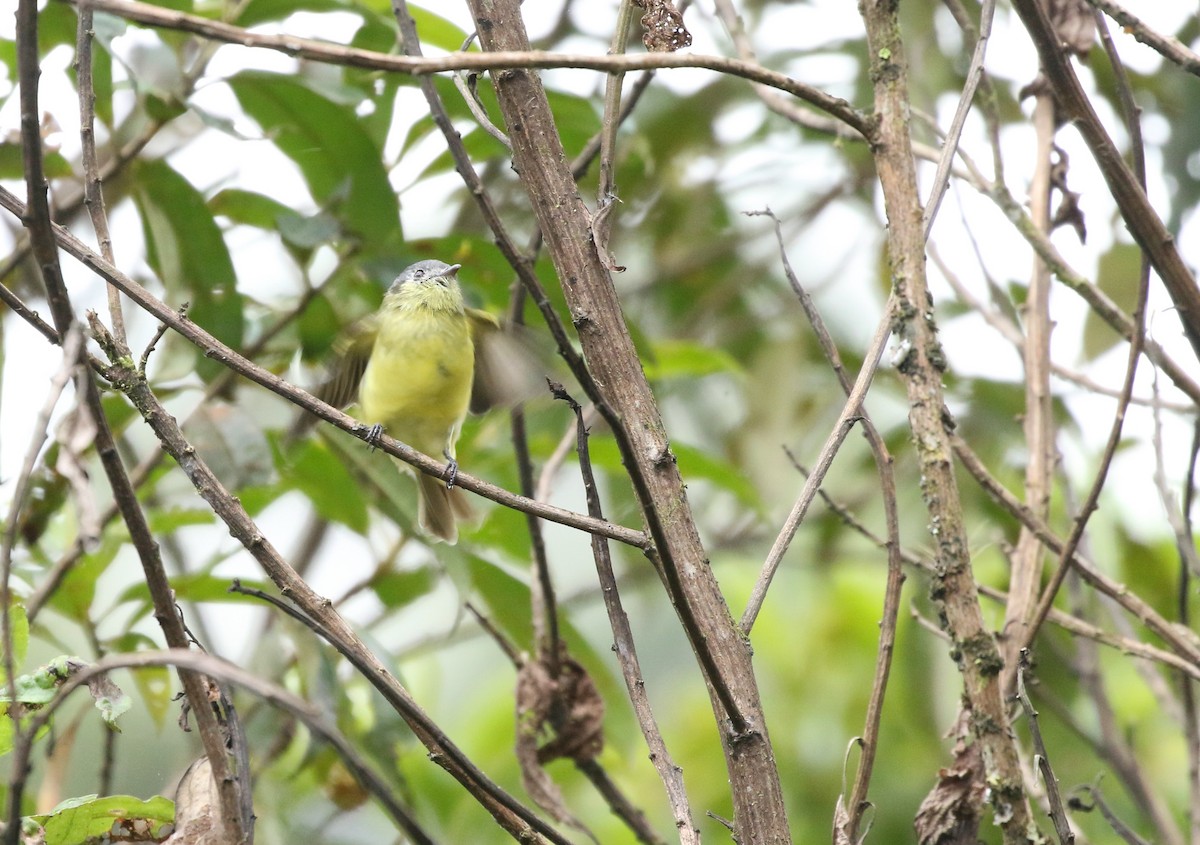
column 418, row 274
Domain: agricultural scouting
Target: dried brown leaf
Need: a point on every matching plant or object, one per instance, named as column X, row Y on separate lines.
column 950, row 813
column 557, row 716
column 665, row 32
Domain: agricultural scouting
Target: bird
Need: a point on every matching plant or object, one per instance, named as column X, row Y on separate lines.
column 417, row 366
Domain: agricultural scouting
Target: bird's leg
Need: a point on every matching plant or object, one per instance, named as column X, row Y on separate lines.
column 373, row 434
column 451, row 472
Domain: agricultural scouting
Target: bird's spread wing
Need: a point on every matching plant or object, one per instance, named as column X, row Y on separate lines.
column 351, row 354
column 508, row 367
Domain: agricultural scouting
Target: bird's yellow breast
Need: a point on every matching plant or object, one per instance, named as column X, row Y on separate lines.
column 418, row 380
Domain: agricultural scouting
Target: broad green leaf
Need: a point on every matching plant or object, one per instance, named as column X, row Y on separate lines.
column 166, row 521
column 397, row 589
column 249, row 208
column 392, row 493
column 187, row 250
column 505, row 596
column 318, row 326
column 260, row 11
column 12, row 164
column 320, row 474
column 340, row 163
column 79, row 820
column 74, row 598
column 153, row 682
column 232, row 441
column 437, row 31
column 196, row 587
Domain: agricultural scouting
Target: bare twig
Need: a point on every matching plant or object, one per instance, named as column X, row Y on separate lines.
column 851, row 413
column 1058, row 813
column 856, row 804
column 941, row 179
column 1184, row 642
column 623, row 642
column 495, row 60
column 1168, row 46
column 93, row 194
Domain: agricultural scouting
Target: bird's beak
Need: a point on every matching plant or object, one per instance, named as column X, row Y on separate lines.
column 451, row 273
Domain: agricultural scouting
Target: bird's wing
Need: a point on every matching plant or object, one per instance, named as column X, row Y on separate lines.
column 508, row 367
column 351, row 354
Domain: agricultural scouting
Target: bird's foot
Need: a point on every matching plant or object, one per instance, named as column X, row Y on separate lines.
column 451, row 471
column 374, row 433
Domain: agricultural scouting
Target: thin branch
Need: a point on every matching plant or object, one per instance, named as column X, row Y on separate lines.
column 850, row 414
column 1137, row 342
column 325, row 52
column 941, row 179
column 1112, row 743
column 93, row 194
column 1011, row 333
column 1184, row 642
column 1136, row 209
column 782, row 106
column 606, row 187
column 1037, row 425
column 1058, row 813
column 623, row 643
column 1168, row 46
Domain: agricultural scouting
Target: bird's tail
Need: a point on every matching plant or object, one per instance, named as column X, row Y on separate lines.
column 441, row 508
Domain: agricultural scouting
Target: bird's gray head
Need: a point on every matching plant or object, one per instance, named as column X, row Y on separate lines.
column 431, row 271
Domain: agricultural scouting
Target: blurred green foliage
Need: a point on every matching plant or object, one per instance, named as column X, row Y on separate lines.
column 280, row 202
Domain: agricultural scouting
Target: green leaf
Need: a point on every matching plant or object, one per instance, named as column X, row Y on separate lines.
column 397, row 589
column 254, row 209
column 323, row 478
column 392, row 493
column 318, row 327
column 123, row 817
column 12, row 165
column 340, row 163
column 260, row 11
column 437, row 31
column 20, row 637
column 1118, row 276
column 187, row 250
column 686, row 358
column 195, row 587
column 249, row 208
column 697, row 463
column 153, row 682
column 506, row 598
column 74, row 599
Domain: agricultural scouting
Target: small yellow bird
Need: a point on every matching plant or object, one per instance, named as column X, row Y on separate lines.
column 417, row 366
